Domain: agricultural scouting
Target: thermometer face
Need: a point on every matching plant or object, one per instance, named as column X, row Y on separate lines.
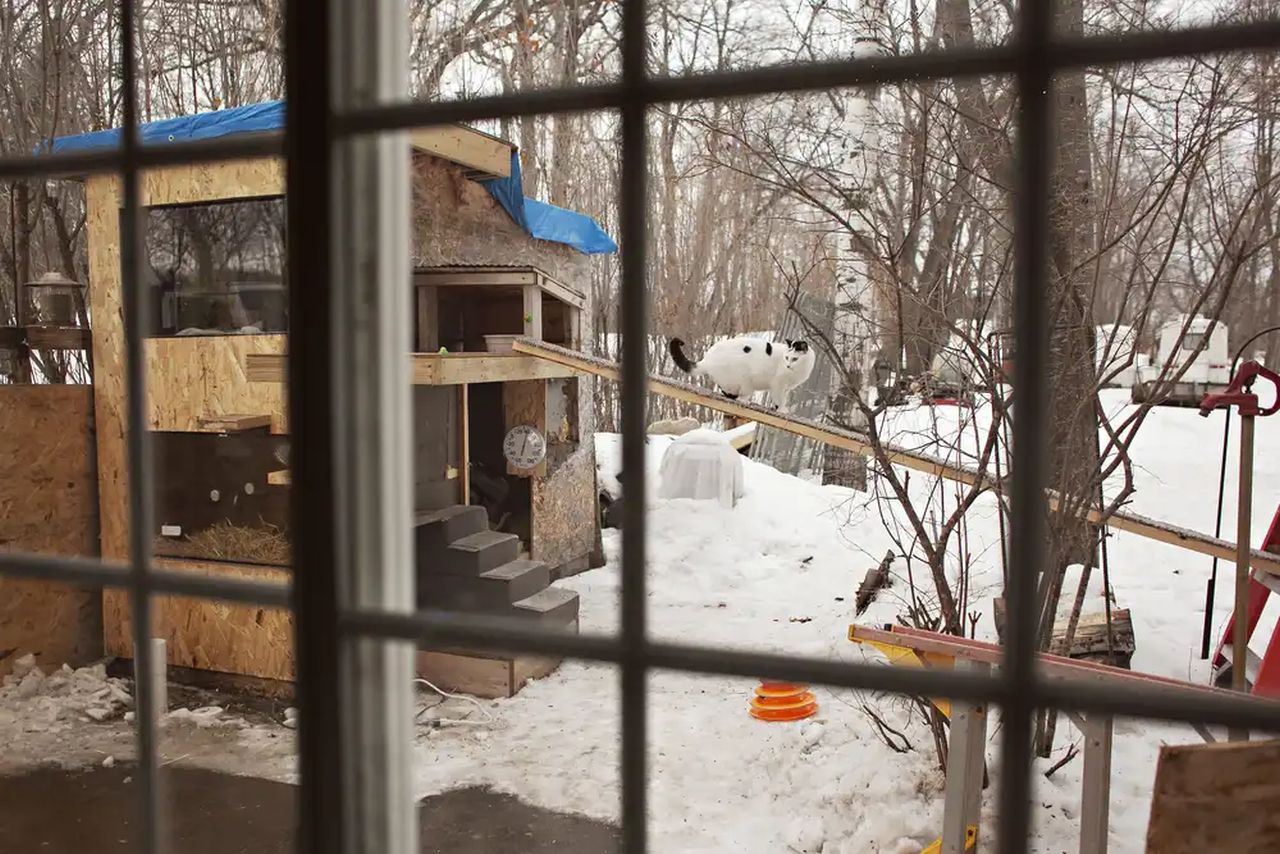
column 524, row 447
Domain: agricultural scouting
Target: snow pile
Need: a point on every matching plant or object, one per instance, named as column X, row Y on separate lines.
column 30, row 701
column 203, row 716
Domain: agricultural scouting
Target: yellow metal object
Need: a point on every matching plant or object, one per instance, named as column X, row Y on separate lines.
column 970, row 841
column 901, row 656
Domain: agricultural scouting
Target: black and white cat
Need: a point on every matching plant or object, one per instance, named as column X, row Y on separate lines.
column 743, row 366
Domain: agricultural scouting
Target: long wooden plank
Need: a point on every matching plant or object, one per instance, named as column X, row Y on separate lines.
column 434, row 368
column 1129, row 522
column 231, row 423
column 466, row 147
column 1050, row 665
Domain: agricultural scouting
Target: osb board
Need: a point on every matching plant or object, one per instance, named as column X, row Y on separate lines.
column 171, row 185
column 204, row 376
column 525, row 403
column 58, row 623
column 565, row 523
column 209, row 635
column 1216, row 797
column 48, row 505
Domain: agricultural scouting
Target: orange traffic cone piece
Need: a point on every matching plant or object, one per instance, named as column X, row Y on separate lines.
column 783, row 701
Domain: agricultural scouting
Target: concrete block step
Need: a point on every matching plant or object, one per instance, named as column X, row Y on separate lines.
column 472, row 555
column 438, row 528
column 553, row 607
column 492, row 591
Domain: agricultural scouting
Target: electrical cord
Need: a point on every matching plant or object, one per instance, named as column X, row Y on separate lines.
column 1222, row 486
column 489, row 719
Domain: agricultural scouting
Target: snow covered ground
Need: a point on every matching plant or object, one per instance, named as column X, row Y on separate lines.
column 778, row 573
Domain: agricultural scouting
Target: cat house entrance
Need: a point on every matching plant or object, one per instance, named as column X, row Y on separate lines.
column 506, row 497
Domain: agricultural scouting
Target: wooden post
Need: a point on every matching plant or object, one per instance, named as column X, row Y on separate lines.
column 428, row 319
column 575, row 327
column 464, row 418
column 1095, row 794
column 533, row 312
column 966, row 756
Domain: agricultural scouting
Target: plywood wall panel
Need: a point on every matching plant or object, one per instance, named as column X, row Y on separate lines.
column 190, row 378
column 209, row 635
column 48, row 505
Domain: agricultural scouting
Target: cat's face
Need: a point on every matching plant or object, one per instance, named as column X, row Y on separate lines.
column 797, row 353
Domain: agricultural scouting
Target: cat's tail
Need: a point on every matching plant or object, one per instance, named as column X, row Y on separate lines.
column 678, row 356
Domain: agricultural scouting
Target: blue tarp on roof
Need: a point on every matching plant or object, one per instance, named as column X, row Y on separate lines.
column 255, row 118
column 538, row 219
column 546, row 221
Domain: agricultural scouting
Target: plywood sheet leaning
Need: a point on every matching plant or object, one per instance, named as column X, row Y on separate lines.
column 210, row 635
column 1216, row 797
column 564, row 522
column 189, row 379
column 48, row 506
column 189, row 184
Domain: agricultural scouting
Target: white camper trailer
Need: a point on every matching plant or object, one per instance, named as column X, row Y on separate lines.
column 1206, row 371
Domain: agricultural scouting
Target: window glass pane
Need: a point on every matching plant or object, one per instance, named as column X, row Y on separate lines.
column 217, row 268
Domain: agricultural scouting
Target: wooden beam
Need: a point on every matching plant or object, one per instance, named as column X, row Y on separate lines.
column 561, row 291
column 434, row 368
column 1095, row 793
column 1051, row 666
column 428, row 319
column 232, row 423
column 464, row 278
column 58, row 338
column 466, row 147
column 966, row 760
column 1132, row 523
column 464, row 436
column 492, row 276
column 532, row 298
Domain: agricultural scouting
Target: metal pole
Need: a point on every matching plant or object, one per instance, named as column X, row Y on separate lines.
column 1244, row 513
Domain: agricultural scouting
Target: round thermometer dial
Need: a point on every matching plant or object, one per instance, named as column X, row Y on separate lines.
column 524, row 447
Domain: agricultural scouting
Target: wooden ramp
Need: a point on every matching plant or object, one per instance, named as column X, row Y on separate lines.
column 1132, row 523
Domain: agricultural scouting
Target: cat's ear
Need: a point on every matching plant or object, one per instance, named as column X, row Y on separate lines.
column 788, row 342
column 800, row 346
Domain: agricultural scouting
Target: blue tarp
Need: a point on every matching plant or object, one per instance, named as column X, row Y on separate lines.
column 546, row 221
column 256, row 118
column 538, row 219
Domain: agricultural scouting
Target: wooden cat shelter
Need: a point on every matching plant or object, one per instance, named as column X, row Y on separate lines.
column 490, row 536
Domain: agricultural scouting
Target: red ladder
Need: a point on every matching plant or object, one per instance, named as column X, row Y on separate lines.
column 1263, row 675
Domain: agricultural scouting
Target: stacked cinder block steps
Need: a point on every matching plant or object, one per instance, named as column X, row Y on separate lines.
column 464, row 567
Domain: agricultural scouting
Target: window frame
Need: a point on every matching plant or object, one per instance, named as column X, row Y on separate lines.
column 338, row 120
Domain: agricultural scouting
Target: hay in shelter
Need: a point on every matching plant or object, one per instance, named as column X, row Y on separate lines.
column 225, row 541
